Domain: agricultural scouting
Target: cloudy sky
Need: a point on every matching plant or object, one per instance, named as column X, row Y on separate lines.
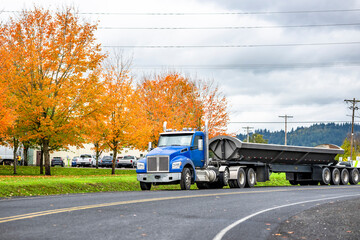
column 270, row 58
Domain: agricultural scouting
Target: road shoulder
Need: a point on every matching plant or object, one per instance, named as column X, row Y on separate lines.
column 334, row 220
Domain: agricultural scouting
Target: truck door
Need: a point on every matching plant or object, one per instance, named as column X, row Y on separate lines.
column 197, row 156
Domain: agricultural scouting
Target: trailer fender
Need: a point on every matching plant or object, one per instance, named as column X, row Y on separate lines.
column 234, row 172
column 222, row 168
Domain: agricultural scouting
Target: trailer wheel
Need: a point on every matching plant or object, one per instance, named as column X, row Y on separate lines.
column 325, row 176
column 335, row 177
column 354, row 177
column 241, row 179
column 145, row 186
column 344, row 177
column 250, row 178
column 185, row 182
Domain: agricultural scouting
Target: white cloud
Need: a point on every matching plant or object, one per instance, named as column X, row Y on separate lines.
column 259, row 94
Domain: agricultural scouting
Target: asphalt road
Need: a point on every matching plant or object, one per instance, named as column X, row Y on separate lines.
column 253, row 213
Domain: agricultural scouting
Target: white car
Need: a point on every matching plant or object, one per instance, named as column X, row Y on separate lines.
column 126, row 161
column 85, row 160
column 93, row 162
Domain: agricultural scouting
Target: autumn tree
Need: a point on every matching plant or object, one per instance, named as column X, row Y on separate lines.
column 122, row 105
column 52, row 71
column 214, row 107
column 181, row 102
column 167, row 97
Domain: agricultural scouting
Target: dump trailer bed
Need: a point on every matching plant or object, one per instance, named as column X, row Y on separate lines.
column 233, row 150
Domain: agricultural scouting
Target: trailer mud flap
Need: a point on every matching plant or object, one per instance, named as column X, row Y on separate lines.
column 262, row 174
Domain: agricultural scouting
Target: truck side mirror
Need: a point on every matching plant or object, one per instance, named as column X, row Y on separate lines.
column 150, row 146
column 201, row 144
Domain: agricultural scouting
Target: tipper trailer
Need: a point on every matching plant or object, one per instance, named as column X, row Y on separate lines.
column 182, row 157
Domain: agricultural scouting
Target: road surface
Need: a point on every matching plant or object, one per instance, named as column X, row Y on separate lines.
column 197, row 214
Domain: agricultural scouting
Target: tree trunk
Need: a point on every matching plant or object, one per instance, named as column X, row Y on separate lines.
column 42, row 160
column 114, row 160
column 47, row 158
column 26, row 150
column 98, row 153
column 16, row 145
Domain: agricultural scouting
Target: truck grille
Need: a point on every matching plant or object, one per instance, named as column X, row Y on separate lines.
column 158, row 164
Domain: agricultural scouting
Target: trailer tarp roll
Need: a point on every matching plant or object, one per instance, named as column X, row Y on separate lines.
column 232, row 149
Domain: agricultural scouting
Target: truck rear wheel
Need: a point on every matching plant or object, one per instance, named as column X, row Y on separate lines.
column 325, row 176
column 250, row 178
column 354, row 177
column 185, row 182
column 335, row 177
column 344, row 177
column 145, row 186
column 240, row 181
column 224, row 178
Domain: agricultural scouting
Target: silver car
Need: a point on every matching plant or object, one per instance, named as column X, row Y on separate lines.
column 126, row 161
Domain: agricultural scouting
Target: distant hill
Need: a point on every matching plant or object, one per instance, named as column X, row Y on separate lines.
column 309, row 136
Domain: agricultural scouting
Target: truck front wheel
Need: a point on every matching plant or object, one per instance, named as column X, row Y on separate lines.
column 185, row 182
column 145, row 186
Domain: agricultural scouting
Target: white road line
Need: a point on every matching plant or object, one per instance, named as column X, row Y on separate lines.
column 222, row 233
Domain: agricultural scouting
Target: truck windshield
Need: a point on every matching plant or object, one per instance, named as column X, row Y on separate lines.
column 175, row 140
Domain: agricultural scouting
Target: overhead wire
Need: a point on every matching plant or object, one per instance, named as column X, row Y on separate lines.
column 253, row 66
column 229, row 27
column 232, row 46
column 212, row 13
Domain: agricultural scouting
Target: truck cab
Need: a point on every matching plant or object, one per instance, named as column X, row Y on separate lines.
column 174, row 160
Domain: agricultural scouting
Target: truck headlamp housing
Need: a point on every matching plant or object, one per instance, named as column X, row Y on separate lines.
column 140, row 166
column 176, row 165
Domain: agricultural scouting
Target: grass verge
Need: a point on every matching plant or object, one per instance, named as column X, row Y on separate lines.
column 28, row 181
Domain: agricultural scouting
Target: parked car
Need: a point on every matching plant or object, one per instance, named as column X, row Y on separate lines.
column 74, row 161
column 57, row 161
column 106, row 161
column 93, row 162
column 126, row 161
column 84, row 160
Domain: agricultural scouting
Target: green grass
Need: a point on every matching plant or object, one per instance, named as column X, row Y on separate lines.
column 28, row 181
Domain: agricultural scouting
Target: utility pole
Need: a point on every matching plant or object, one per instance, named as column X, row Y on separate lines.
column 286, row 118
column 353, row 108
column 247, row 133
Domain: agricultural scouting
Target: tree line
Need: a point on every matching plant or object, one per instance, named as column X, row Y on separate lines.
column 58, row 89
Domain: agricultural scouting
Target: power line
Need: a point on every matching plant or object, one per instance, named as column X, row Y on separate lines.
column 216, row 13
column 231, row 46
column 253, row 66
column 211, row 13
column 229, row 28
column 298, row 122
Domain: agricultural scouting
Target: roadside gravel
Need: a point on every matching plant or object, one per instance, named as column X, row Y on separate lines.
column 336, row 220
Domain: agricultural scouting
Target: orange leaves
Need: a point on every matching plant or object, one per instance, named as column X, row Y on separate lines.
column 52, row 71
column 181, row 102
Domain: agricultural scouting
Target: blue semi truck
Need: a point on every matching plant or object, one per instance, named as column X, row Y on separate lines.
column 188, row 156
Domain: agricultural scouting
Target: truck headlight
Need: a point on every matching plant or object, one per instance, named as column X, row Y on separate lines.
column 176, row 165
column 141, row 166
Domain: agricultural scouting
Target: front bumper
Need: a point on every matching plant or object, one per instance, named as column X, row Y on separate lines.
column 158, row 177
